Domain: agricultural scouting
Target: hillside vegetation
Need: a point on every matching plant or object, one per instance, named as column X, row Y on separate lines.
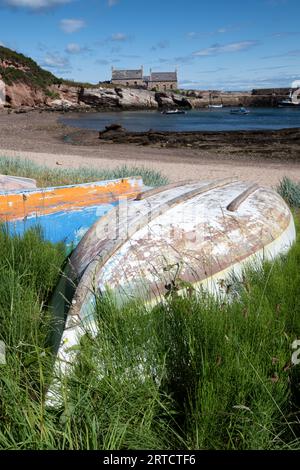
column 20, row 68
column 24, row 69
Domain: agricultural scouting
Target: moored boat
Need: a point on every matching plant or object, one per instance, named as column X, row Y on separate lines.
column 197, row 232
column 173, row 111
column 241, row 110
column 288, row 104
column 292, row 101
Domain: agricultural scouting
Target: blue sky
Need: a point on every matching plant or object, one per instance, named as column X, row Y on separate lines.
column 216, row 44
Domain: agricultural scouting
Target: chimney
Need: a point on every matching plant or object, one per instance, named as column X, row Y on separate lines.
column 142, row 68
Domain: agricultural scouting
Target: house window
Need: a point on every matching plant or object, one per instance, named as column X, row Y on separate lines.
column 127, row 83
column 171, row 86
column 135, row 83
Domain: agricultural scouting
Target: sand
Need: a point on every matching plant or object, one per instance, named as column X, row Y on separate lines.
column 39, row 137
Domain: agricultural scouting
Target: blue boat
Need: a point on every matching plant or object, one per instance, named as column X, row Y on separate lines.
column 241, row 110
column 64, row 213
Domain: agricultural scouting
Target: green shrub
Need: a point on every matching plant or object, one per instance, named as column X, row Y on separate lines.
column 52, row 94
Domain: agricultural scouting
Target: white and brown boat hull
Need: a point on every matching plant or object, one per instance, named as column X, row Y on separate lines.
column 185, row 234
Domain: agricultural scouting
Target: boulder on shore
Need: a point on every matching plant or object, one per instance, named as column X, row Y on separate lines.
column 111, row 131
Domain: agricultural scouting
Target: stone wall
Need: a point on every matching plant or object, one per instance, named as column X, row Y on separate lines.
column 162, row 86
column 132, row 83
column 271, row 91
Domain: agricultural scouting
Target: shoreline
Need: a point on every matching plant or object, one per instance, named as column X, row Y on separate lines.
column 40, row 137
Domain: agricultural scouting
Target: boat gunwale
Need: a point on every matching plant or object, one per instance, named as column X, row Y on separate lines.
column 154, row 191
column 68, row 186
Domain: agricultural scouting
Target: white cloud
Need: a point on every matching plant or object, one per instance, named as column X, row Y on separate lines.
column 56, row 61
column 119, row 37
column 296, row 84
column 220, row 49
column 221, row 30
column 35, row 4
column 71, row 25
column 74, row 48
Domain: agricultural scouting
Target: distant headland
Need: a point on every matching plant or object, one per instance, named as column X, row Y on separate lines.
column 25, row 86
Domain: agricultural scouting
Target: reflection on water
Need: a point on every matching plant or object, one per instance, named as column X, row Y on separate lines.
column 194, row 120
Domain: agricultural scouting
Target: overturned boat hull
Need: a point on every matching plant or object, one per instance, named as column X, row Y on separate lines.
column 185, row 234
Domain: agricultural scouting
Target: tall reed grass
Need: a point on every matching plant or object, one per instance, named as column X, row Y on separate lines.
column 63, row 176
column 290, row 191
column 195, row 372
column 192, row 373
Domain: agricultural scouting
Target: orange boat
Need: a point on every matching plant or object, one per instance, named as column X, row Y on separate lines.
column 64, row 213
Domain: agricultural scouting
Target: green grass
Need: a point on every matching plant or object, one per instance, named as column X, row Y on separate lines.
column 290, row 191
column 54, row 177
column 195, row 373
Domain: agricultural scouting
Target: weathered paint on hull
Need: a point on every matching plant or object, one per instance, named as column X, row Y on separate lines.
column 67, row 227
column 64, row 213
column 200, row 231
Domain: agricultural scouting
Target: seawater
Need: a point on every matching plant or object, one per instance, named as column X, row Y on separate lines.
column 194, row 120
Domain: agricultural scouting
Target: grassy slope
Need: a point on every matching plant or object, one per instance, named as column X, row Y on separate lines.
column 34, row 75
column 214, row 375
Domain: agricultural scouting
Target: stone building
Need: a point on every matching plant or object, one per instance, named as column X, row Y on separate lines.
column 132, row 78
column 158, row 81
column 163, row 81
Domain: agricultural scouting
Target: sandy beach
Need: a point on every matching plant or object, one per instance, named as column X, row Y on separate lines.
column 41, row 138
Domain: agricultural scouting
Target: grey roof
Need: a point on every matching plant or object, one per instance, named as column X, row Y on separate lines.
column 127, row 74
column 164, row 77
